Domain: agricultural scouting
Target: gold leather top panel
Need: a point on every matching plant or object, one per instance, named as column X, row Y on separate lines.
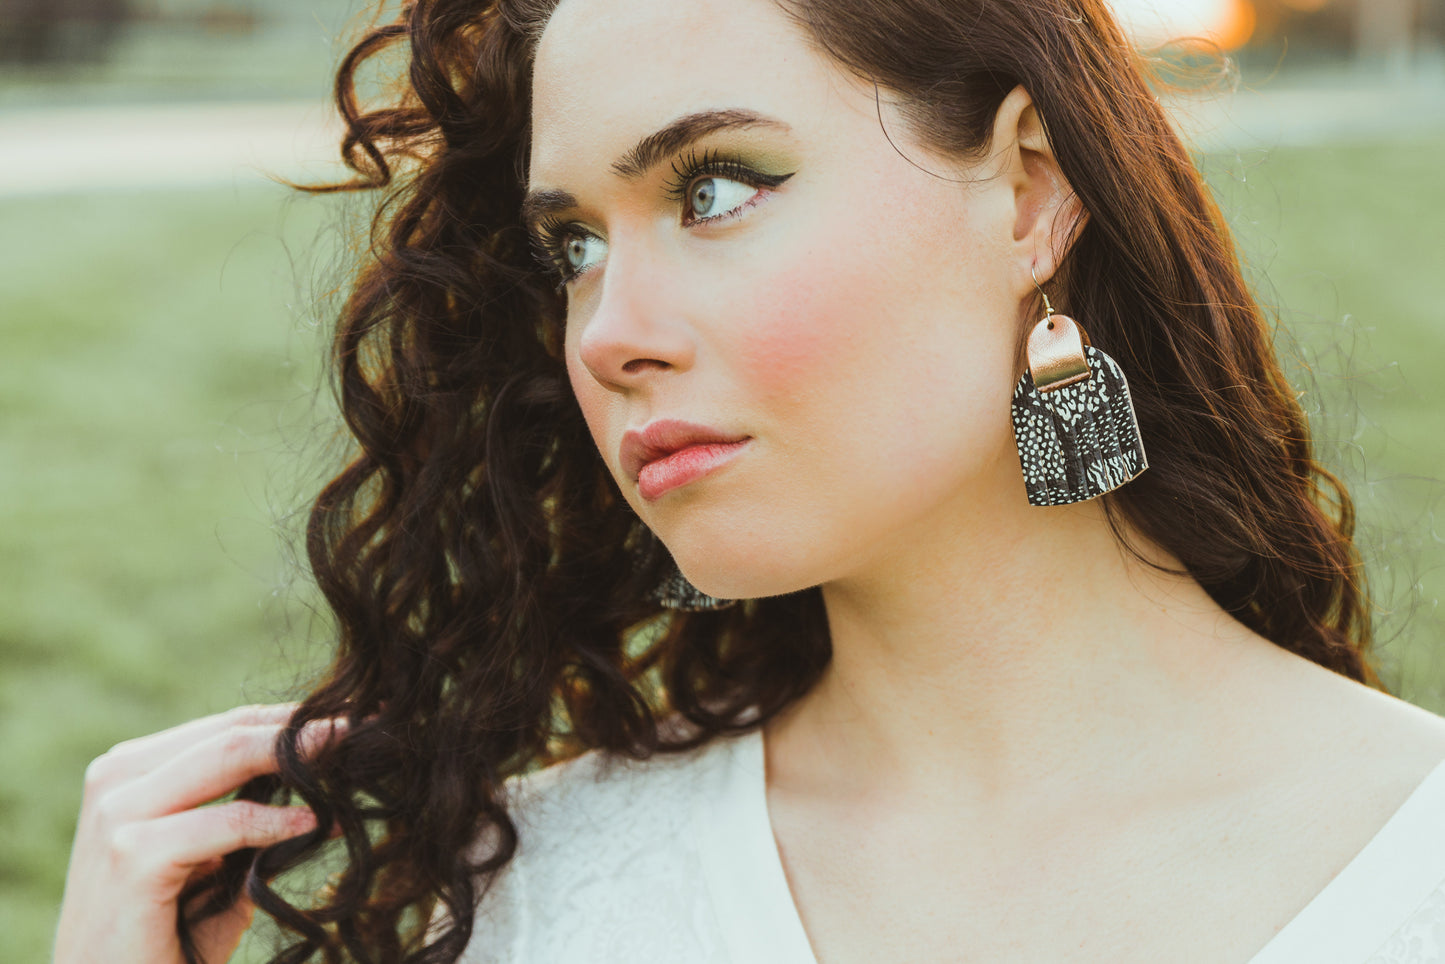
column 1056, row 353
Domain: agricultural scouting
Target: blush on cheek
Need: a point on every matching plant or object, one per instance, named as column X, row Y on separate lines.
column 787, row 332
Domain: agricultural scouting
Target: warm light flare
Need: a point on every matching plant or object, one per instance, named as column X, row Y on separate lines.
column 1228, row 23
column 1238, row 27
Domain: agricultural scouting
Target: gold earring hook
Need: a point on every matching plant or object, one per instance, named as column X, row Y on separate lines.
column 1048, row 308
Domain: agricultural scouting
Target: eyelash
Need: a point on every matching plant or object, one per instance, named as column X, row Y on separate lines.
column 553, row 233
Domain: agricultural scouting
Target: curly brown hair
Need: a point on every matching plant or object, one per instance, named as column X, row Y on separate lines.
column 491, row 587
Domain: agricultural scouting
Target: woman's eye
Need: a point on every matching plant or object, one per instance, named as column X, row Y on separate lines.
column 580, row 252
column 711, row 197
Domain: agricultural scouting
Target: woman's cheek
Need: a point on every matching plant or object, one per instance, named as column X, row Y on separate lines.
column 797, row 329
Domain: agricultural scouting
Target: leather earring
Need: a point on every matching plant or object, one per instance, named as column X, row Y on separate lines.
column 1073, row 419
column 676, row 593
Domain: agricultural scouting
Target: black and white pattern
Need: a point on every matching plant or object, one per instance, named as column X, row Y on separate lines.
column 1079, row 441
column 677, row 593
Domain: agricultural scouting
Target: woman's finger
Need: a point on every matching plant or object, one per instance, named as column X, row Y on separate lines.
column 130, row 759
column 167, row 850
column 209, row 769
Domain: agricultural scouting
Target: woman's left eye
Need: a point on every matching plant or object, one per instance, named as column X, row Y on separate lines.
column 714, row 197
column 711, row 187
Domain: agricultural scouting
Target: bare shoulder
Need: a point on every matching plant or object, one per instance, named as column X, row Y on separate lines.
column 1350, row 733
column 1405, row 738
column 1321, row 762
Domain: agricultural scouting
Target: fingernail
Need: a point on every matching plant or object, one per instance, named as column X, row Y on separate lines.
column 318, row 733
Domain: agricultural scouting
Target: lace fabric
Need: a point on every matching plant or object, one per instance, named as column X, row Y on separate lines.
column 1421, row 939
column 607, row 869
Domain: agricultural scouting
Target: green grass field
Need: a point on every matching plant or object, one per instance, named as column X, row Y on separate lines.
column 158, row 422
column 161, row 429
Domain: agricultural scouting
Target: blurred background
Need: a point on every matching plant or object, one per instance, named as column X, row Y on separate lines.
column 164, row 420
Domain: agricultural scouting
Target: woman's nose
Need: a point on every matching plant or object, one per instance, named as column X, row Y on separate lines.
column 636, row 331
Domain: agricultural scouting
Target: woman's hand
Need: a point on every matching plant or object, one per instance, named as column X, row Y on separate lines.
column 143, row 835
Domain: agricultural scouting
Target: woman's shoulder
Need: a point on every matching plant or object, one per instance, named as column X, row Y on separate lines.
column 607, row 856
column 1364, row 809
column 605, row 795
column 1388, row 739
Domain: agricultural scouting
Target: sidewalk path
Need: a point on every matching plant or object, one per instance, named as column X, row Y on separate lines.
column 53, row 150
column 1332, row 107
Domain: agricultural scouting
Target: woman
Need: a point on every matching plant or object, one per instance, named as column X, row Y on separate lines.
column 797, row 257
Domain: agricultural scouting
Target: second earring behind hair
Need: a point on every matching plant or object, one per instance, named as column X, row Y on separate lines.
column 1073, row 418
column 675, row 592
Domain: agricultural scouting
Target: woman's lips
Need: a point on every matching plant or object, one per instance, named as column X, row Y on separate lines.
column 685, row 465
column 670, row 453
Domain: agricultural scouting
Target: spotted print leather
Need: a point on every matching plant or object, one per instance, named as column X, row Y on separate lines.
column 1079, row 441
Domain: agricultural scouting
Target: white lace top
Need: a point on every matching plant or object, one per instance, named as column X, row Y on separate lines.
column 673, row 860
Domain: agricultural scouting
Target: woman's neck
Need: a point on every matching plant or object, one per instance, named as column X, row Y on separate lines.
column 1012, row 651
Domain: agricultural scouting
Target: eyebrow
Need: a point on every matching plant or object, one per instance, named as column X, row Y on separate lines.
column 651, row 151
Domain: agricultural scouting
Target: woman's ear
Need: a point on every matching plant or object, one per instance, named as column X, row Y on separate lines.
column 1048, row 214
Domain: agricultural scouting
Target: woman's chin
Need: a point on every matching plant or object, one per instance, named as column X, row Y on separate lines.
column 745, row 584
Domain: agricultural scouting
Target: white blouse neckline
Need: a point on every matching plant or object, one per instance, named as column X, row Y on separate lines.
column 1344, row 923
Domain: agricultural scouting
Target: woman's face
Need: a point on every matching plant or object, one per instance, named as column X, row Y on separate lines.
column 835, row 325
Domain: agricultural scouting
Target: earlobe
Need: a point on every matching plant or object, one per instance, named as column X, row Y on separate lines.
column 1049, row 215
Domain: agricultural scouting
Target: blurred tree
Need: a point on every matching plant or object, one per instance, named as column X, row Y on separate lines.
column 58, row 32
column 1379, row 30
column 1387, row 29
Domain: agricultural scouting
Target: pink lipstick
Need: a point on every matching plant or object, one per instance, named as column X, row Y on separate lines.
column 668, row 454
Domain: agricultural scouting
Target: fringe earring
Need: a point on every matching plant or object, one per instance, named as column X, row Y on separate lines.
column 1073, row 420
column 676, row 593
